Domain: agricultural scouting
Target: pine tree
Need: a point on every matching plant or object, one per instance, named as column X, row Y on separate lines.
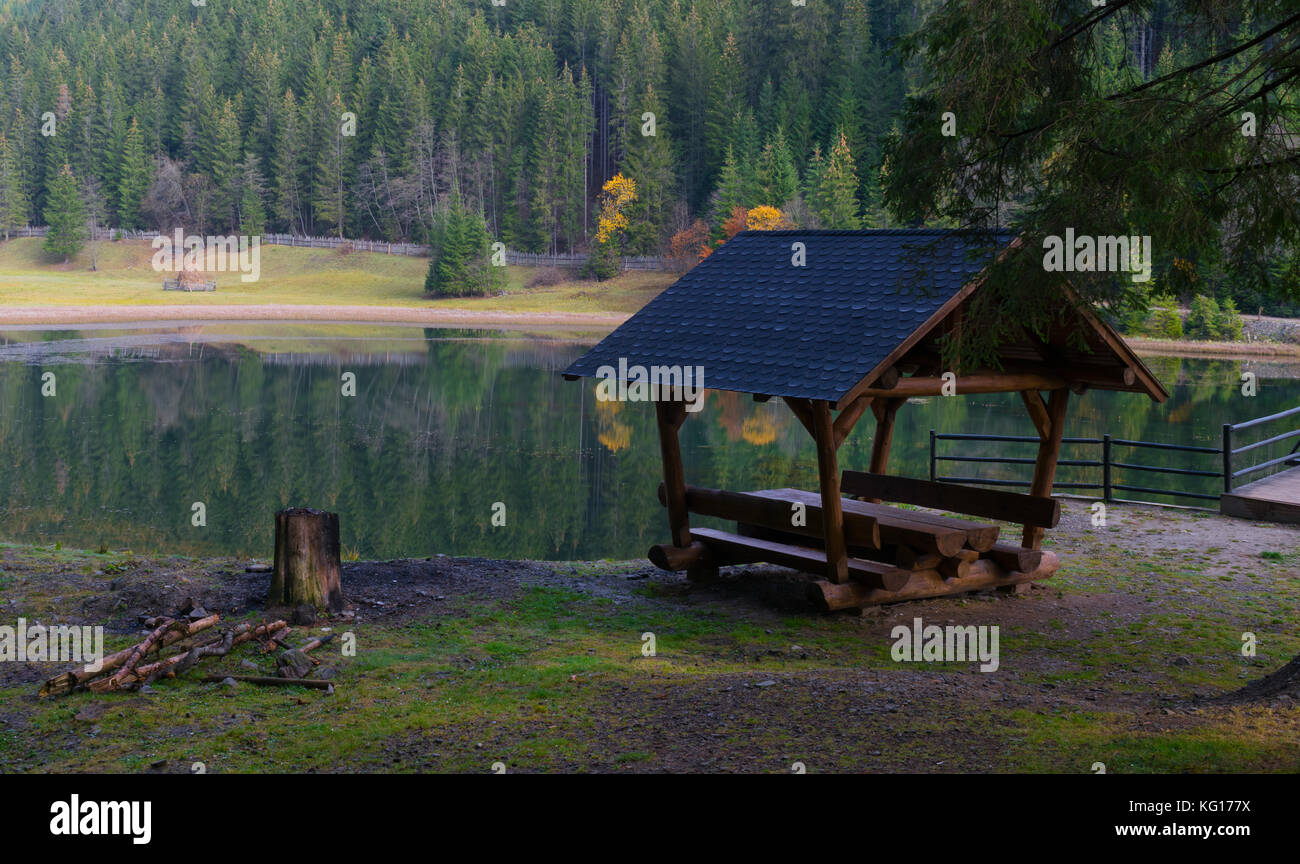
column 252, row 191
column 650, row 164
column 833, row 196
column 329, row 184
column 134, row 175
column 460, row 266
column 65, row 215
column 13, row 198
column 776, row 177
column 730, row 193
column 222, row 153
column 289, row 203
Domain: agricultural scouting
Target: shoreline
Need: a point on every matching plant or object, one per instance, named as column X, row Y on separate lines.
column 55, row 316
column 1212, row 350
column 286, row 312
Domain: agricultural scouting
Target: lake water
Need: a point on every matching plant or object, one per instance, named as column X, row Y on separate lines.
column 248, row 418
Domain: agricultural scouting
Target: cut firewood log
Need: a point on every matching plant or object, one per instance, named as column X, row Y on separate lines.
column 138, row 653
column 242, row 633
column 66, row 682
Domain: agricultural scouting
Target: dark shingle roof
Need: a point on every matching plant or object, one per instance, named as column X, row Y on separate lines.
column 758, row 324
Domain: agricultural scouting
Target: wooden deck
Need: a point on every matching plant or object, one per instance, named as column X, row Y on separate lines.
column 1273, row 499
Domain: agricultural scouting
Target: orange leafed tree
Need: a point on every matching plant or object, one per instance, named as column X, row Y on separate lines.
column 690, row 245
column 737, row 222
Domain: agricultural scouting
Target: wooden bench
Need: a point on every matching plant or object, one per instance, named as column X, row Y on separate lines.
column 730, row 548
column 986, row 503
column 925, row 532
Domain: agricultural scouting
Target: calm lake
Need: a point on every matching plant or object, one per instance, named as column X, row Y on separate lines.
column 249, row 418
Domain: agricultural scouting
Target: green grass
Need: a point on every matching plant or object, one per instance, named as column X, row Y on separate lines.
column 553, row 678
column 295, row 276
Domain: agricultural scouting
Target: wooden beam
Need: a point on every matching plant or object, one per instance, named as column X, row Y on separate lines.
column 673, row 558
column 982, row 383
column 743, row 549
column 1011, row 557
column 1049, row 450
column 1103, row 378
column 1038, row 413
column 885, row 412
column 887, row 379
column 670, row 416
column 848, row 418
column 802, row 410
column 1149, row 382
column 971, row 500
column 927, row 583
column 828, row 479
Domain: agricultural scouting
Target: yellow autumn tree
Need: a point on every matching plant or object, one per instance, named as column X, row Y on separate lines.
column 765, row 218
column 616, row 196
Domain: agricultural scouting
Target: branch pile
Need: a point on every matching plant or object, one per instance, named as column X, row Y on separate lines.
column 132, row 668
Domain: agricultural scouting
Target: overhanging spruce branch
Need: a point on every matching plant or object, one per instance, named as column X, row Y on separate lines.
column 1087, row 22
column 1209, row 61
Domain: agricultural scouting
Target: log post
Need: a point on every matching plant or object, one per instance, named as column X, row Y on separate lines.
column 884, row 409
column 307, row 565
column 828, row 475
column 1049, row 450
column 670, row 416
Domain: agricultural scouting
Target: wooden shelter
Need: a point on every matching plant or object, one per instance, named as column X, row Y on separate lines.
column 836, row 324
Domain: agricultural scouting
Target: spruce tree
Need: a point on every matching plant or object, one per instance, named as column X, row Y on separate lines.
column 13, row 199
column 650, row 164
column 835, row 199
column 134, row 176
column 65, row 215
column 731, row 190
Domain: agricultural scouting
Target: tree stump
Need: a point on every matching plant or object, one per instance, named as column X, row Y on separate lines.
column 307, row 565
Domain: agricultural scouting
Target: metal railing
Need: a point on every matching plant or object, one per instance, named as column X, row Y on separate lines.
column 1108, row 463
column 1229, row 432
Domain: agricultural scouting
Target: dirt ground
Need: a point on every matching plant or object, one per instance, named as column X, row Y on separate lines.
column 1130, row 656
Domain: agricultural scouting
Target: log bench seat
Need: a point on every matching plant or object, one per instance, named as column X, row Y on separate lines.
column 738, row 549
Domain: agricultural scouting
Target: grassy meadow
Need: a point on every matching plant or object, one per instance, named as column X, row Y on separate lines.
column 297, row 276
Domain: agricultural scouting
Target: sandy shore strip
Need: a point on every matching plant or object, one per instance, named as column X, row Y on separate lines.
column 1212, row 350
column 296, row 312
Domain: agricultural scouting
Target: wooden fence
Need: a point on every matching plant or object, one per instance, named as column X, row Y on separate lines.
column 570, row 261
